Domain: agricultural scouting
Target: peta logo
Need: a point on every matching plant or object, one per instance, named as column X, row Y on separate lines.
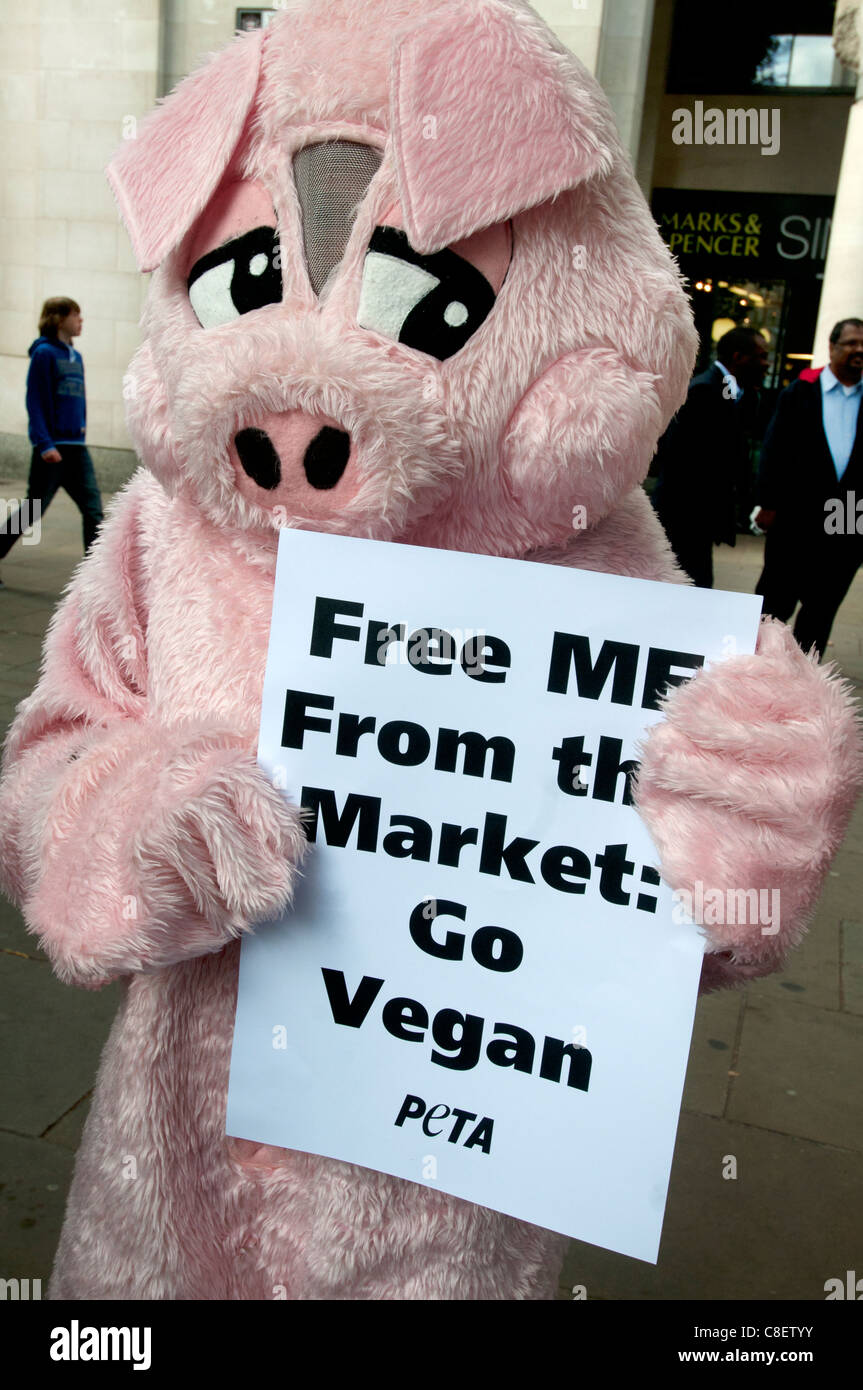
column 414, row 1106
column 736, row 126
column 76, row 1343
column 852, row 1288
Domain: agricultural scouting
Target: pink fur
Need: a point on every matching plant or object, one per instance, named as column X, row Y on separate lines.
column 291, row 432
column 237, row 207
column 190, row 140
column 138, row 833
column 453, row 179
column 563, row 431
column 750, row 781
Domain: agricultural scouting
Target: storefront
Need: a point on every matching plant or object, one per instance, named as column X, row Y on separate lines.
column 754, row 260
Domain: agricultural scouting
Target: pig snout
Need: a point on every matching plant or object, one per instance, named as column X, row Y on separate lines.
column 284, row 455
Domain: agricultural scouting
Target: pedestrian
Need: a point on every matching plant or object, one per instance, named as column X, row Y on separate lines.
column 702, row 460
column 57, row 413
column 813, row 446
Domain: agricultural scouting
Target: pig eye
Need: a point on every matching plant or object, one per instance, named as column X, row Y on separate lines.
column 430, row 303
column 236, row 278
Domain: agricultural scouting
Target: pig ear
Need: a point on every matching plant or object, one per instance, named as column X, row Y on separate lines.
column 488, row 119
column 164, row 177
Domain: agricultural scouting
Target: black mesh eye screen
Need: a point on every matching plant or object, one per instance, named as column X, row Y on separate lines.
column 331, row 180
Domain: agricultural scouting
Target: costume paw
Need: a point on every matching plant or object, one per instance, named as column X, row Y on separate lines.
column 160, row 845
column 746, row 787
column 222, row 840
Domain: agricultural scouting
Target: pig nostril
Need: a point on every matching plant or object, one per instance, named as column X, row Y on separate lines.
column 326, row 457
column 259, row 458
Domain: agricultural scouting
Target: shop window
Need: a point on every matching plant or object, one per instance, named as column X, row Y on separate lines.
column 802, row 60
column 251, row 19
column 744, row 46
column 720, row 305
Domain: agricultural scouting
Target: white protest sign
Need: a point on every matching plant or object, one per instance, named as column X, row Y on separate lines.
column 481, row 985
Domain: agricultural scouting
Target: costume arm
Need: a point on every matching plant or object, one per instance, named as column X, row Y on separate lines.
column 747, row 787
column 128, row 843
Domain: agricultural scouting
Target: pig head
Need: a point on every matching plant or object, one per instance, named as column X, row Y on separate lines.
column 405, row 284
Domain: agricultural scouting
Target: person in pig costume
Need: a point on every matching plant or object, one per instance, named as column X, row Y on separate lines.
column 405, row 288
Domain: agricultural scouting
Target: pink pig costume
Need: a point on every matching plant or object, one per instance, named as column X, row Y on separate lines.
column 472, row 328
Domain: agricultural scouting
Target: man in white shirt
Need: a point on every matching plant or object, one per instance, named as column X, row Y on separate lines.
column 813, row 455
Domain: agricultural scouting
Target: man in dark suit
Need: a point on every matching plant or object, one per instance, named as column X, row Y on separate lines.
column 811, row 461
column 703, row 458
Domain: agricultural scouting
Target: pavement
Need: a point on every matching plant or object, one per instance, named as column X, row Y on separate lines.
column 766, row 1185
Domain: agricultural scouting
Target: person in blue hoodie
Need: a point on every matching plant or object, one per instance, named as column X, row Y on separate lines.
column 57, row 411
